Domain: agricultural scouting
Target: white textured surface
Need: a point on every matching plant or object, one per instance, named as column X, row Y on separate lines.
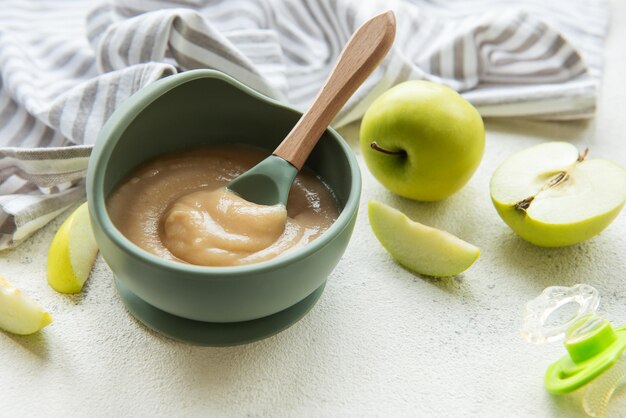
column 381, row 341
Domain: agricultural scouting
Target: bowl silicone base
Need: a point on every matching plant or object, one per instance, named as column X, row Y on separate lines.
column 213, row 333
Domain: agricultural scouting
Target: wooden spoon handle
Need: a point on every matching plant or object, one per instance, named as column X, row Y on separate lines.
column 361, row 55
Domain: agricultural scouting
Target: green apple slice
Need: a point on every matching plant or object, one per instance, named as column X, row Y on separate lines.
column 72, row 253
column 552, row 196
column 18, row 313
column 425, row 250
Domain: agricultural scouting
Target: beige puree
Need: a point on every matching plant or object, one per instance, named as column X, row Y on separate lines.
column 176, row 207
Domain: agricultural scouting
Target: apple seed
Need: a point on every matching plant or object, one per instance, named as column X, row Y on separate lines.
column 559, row 178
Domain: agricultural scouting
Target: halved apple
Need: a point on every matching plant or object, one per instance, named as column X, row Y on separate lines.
column 18, row 313
column 425, row 250
column 552, row 196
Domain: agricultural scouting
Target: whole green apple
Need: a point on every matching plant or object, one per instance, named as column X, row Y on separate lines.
column 422, row 140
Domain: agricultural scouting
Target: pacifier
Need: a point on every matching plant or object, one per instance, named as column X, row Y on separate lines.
column 594, row 364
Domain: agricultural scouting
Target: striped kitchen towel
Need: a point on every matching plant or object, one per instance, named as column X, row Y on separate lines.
column 65, row 65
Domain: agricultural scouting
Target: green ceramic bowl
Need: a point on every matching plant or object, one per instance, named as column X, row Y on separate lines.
column 207, row 107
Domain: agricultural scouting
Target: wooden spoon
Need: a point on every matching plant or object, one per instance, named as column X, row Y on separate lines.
column 269, row 182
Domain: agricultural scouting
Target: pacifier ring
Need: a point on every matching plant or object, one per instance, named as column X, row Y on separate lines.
column 535, row 328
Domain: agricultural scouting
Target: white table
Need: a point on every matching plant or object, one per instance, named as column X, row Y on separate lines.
column 381, row 341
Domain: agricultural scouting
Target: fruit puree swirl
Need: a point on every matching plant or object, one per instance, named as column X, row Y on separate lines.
column 219, row 228
column 177, row 207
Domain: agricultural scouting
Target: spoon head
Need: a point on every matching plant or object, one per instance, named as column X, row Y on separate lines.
column 267, row 183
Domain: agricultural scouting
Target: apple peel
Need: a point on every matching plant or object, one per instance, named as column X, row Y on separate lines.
column 418, row 247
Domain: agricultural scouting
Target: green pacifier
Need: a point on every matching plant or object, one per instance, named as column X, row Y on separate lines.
column 594, row 347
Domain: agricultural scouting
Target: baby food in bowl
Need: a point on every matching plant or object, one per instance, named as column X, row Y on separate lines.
column 197, row 114
column 176, row 206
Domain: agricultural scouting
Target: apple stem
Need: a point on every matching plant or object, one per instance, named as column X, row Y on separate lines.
column 581, row 157
column 376, row 147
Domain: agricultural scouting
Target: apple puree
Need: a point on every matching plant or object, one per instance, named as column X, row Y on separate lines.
column 176, row 207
